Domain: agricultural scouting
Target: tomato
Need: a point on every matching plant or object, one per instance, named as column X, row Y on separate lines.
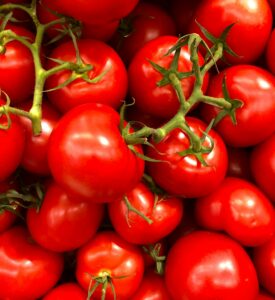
column 158, row 101
column 145, row 23
column 17, row 67
column 27, row 271
column 264, row 296
column 262, row 163
column 270, row 48
column 35, row 152
column 88, row 156
column 186, row 176
column 264, row 261
column 10, row 152
column 110, row 89
column 207, row 265
column 67, row 222
column 255, row 87
column 165, row 213
column 241, row 209
column 68, row 290
column 152, row 287
column 93, row 11
column 108, row 257
column 252, row 25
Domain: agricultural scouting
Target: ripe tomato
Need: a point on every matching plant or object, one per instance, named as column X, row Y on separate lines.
column 158, row 101
column 241, row 209
column 252, row 25
column 17, row 67
column 255, row 87
column 27, row 271
column 107, row 257
column 262, row 162
column 63, row 222
column 207, row 265
column 12, row 145
column 68, row 290
column 264, row 296
column 270, row 48
column 263, row 258
column 110, row 89
column 34, row 157
column 185, row 175
column 165, row 213
column 88, row 156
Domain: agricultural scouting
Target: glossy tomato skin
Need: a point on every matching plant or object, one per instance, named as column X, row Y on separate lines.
column 147, row 22
column 207, row 265
column 12, row 145
column 263, row 258
column 110, row 89
column 262, row 162
column 252, row 25
column 241, row 209
column 152, row 287
column 186, row 176
column 157, row 101
column 66, row 291
column 109, row 254
column 164, row 212
column 255, row 87
column 27, row 271
column 17, row 67
column 64, row 222
column 88, row 156
column 34, row 157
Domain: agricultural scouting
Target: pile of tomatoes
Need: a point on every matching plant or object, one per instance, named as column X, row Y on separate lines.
column 137, row 150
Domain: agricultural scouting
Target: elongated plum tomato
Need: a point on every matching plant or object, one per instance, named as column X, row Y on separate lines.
column 207, row 265
column 88, row 156
column 184, row 175
column 255, row 88
column 159, row 101
column 107, row 69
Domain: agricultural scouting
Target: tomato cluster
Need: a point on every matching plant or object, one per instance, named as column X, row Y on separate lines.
column 137, row 156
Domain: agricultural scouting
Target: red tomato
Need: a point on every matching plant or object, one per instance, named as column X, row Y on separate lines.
column 109, row 257
column 158, row 101
column 239, row 208
column 35, row 152
column 64, row 222
column 145, row 23
column 88, row 156
column 68, row 291
column 185, row 175
column 110, row 89
column 264, row 258
column 262, row 163
column 255, row 87
column 12, row 145
column 152, row 288
column 270, row 49
column 165, row 213
column 94, row 11
column 264, row 296
column 207, row 265
column 252, row 25
column 17, row 67
column 27, row 271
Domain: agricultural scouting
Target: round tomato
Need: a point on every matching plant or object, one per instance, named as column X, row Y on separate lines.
column 239, row 208
column 163, row 213
column 255, row 87
column 207, row 265
column 185, row 175
column 109, row 260
column 109, row 89
column 252, row 25
column 88, row 156
column 159, row 101
column 68, row 290
column 27, row 271
column 63, row 222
